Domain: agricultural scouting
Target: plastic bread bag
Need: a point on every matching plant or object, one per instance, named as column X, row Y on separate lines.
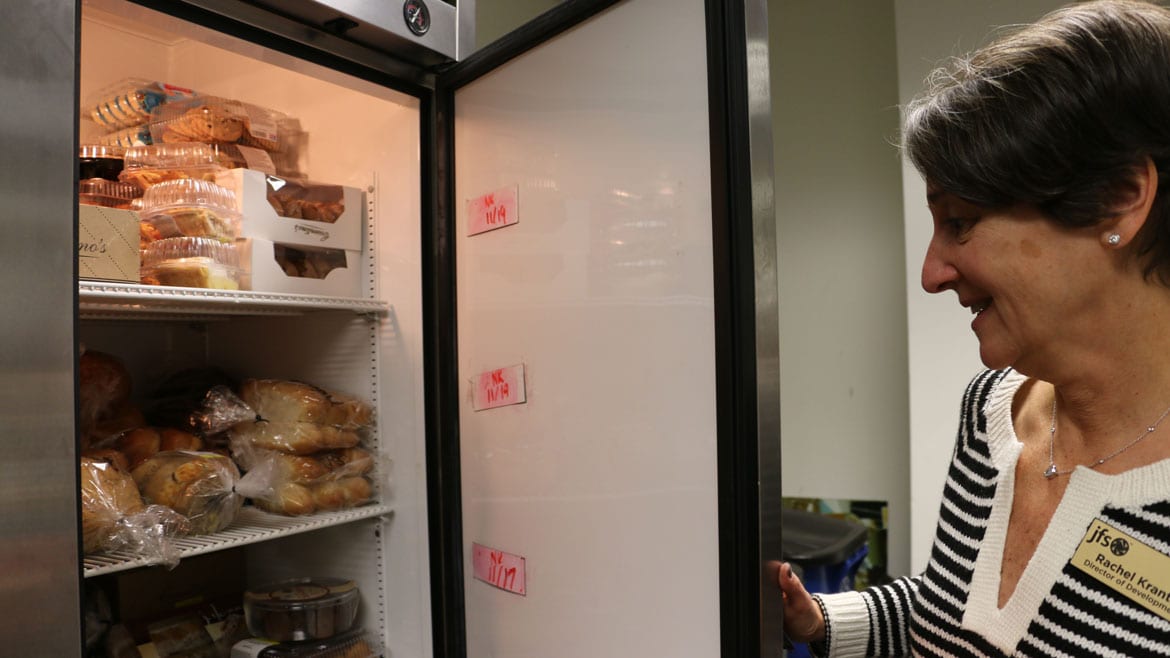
column 294, row 485
column 293, row 401
column 114, row 516
column 198, row 485
column 292, row 437
column 219, row 411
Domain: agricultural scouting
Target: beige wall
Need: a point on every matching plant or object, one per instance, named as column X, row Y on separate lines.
column 840, row 256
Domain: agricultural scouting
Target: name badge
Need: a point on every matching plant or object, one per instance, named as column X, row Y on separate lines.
column 1135, row 570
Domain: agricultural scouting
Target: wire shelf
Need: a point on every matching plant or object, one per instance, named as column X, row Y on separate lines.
column 98, row 299
column 251, row 526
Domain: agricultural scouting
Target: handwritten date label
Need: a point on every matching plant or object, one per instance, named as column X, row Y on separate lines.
column 498, row 569
column 499, row 388
column 493, row 210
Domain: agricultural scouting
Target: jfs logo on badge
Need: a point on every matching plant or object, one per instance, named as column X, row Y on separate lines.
column 1130, row 567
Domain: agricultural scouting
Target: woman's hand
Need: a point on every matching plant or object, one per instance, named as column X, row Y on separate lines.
column 803, row 621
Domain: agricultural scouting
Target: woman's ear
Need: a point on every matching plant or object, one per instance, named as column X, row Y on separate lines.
column 1132, row 207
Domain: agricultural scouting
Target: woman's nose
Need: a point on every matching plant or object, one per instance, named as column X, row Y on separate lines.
column 938, row 274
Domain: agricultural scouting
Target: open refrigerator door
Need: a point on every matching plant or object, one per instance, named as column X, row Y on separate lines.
column 271, row 208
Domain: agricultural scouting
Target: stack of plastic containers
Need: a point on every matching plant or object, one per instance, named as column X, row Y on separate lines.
column 191, row 226
column 304, row 618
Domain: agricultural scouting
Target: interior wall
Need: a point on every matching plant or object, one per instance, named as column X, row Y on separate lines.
column 843, row 374
column 495, row 18
column 943, row 353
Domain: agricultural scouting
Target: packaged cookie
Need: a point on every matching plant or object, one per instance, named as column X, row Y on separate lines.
column 129, row 102
column 151, row 164
column 217, row 120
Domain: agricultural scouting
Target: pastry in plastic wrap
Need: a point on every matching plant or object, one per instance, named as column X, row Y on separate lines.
column 307, row 469
column 292, row 401
column 198, row 485
column 191, row 263
column 114, row 516
column 293, row 499
column 294, row 437
column 107, row 495
column 104, row 405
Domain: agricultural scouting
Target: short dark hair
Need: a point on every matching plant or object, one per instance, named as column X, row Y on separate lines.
column 1057, row 115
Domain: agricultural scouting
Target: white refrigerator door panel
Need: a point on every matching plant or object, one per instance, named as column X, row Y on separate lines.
column 604, row 480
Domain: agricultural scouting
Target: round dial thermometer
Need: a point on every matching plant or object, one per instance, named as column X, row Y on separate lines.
column 418, row 17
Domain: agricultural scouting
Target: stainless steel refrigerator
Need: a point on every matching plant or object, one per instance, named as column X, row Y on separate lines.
column 628, row 301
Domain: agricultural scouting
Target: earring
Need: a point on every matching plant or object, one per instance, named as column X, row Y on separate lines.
column 1114, row 239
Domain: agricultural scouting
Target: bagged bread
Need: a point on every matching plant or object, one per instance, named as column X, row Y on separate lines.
column 302, row 484
column 103, row 391
column 107, row 495
column 293, row 437
column 114, row 516
column 198, row 485
column 292, row 401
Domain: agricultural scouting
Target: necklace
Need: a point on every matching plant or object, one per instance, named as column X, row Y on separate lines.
column 1052, row 471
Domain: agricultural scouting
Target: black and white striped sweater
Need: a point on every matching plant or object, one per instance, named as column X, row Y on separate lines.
column 1056, row 609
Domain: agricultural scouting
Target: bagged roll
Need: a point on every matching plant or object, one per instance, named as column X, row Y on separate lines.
column 198, row 485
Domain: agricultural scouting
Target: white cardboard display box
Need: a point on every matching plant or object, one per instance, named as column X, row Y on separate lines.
column 260, row 219
column 262, row 272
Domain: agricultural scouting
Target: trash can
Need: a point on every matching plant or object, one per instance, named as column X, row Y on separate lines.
column 826, row 553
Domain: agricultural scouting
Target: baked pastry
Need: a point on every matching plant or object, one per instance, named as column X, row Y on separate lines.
column 198, row 485
column 107, row 496
column 104, row 385
column 110, row 456
column 292, row 401
column 293, row 437
column 294, row 499
column 142, row 443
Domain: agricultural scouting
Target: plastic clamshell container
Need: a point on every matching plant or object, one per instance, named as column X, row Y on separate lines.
column 100, row 161
column 353, row 644
column 127, row 137
column 188, row 207
column 107, row 193
column 218, row 120
column 150, row 164
column 127, row 103
column 191, row 263
column 302, row 609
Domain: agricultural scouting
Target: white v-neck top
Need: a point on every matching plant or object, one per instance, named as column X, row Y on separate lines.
column 1057, row 609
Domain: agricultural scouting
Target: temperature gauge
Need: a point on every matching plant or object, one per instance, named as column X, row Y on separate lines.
column 418, row 17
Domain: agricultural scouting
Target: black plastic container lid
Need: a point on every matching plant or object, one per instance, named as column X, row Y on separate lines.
column 810, row 539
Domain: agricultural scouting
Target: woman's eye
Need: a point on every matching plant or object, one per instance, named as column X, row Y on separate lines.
column 960, row 226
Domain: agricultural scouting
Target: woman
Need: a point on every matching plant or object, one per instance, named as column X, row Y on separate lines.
column 1047, row 161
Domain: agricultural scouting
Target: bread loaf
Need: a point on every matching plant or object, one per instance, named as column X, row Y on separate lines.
column 293, row 499
column 291, row 401
column 293, row 437
column 107, row 495
column 198, row 485
column 103, row 386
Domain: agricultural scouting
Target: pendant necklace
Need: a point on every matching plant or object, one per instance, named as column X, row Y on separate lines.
column 1052, row 471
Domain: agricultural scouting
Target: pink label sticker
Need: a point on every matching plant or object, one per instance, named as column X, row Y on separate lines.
column 498, row 569
column 499, row 388
column 493, row 210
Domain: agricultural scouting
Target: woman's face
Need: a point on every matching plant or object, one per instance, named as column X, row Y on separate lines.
column 1030, row 283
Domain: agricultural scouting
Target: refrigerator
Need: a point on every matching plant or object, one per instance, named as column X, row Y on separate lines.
column 576, row 394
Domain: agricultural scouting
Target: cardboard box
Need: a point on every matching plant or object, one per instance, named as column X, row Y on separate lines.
column 264, row 273
column 107, row 243
column 260, row 219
